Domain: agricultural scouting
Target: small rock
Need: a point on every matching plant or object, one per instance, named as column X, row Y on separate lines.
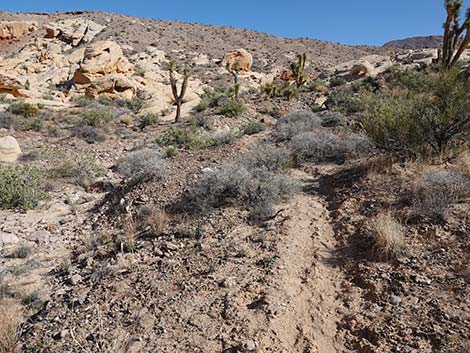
column 248, row 346
column 395, row 300
column 8, row 239
column 75, row 279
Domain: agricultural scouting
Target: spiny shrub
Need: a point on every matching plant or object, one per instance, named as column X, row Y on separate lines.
column 346, row 100
column 89, row 133
column 96, row 117
column 232, row 108
column 258, row 189
column 149, row 120
column 21, row 186
column 142, row 165
column 294, row 123
column 209, row 99
column 435, row 191
column 321, row 145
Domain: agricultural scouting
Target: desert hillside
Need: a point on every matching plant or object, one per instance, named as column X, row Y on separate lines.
column 176, row 187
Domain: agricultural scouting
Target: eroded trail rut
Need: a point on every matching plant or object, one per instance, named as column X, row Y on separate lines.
column 306, row 294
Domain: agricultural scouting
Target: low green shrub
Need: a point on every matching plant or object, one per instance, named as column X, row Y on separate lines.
column 232, row 108
column 21, row 186
column 252, row 127
column 26, row 110
column 96, row 117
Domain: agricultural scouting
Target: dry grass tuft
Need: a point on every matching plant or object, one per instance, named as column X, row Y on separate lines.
column 157, row 221
column 389, row 242
column 10, row 319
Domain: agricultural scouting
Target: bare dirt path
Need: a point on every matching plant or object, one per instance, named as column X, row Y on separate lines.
column 305, row 296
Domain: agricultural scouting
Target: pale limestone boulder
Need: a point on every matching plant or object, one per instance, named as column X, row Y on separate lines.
column 9, row 149
column 74, row 31
column 13, row 86
column 239, row 56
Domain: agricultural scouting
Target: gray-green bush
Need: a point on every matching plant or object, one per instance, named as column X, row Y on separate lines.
column 295, row 123
column 142, row 165
column 21, row 186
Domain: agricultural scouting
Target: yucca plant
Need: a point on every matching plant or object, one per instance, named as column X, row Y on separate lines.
column 174, row 89
column 456, row 35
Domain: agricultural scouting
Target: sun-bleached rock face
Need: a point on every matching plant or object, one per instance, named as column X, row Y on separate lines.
column 362, row 69
column 239, row 57
column 100, row 59
column 10, row 85
column 16, row 30
column 9, row 149
column 74, row 31
column 113, row 85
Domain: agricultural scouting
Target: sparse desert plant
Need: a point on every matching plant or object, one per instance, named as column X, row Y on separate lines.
column 332, row 119
column 267, row 156
column 389, row 241
column 232, row 108
column 21, row 186
column 135, row 104
column 174, row 89
column 142, row 165
column 126, row 241
column 456, row 37
column 317, row 86
column 26, row 110
column 171, row 152
column 156, row 220
column 105, row 100
column 149, row 120
column 337, row 81
column 10, row 320
column 253, row 127
column 209, row 99
column 7, row 120
column 271, row 90
column 290, row 92
column 191, row 138
column 83, row 101
column 96, row 117
column 346, row 100
column 89, row 133
column 234, row 70
column 436, row 190
column 320, row 146
column 294, row 123
column 222, row 137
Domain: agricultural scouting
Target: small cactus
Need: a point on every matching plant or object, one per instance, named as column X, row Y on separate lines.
column 173, row 82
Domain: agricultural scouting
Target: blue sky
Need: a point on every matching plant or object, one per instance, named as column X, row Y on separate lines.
column 346, row 21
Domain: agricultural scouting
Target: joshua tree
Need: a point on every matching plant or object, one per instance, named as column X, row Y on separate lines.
column 234, row 69
column 456, row 36
column 173, row 81
column 298, row 69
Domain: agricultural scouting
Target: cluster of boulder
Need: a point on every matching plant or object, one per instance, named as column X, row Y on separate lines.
column 16, row 30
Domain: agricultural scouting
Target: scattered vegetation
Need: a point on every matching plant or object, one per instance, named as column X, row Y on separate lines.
column 149, row 120
column 96, row 117
column 389, row 241
column 89, row 133
column 142, row 165
column 21, row 186
column 10, row 319
column 210, row 99
column 252, row 127
column 191, row 137
column 232, row 108
column 7, row 120
column 298, row 69
column 436, row 190
column 23, row 109
column 294, row 123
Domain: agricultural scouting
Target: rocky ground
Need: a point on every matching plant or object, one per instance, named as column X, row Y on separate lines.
column 91, row 276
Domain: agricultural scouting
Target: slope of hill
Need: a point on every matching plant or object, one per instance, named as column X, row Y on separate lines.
column 415, row 42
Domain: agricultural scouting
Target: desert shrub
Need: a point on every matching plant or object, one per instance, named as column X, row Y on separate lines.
column 21, row 186
column 23, row 109
column 171, row 152
column 96, row 117
column 209, row 99
column 232, row 108
column 34, row 123
column 156, row 220
column 104, row 100
column 294, row 123
column 149, row 120
column 337, row 81
column 421, row 119
column 389, row 241
column 7, row 120
column 255, row 189
column 83, row 101
column 82, row 169
column 142, row 165
column 222, row 137
column 271, row 90
column 267, row 156
column 290, row 92
column 188, row 137
column 252, row 127
column 135, row 104
column 436, row 190
column 321, row 145
column 346, row 100
column 89, row 133
column 10, row 319
column 332, row 119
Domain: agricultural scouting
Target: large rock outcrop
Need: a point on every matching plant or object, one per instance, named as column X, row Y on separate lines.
column 74, row 31
column 9, row 149
column 239, row 57
column 101, row 59
column 16, row 30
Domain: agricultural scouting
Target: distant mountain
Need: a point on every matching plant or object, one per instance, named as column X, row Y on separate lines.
column 415, row 42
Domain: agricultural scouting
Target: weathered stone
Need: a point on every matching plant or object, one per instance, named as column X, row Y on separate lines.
column 239, row 57
column 16, row 30
column 74, row 31
column 9, row 149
